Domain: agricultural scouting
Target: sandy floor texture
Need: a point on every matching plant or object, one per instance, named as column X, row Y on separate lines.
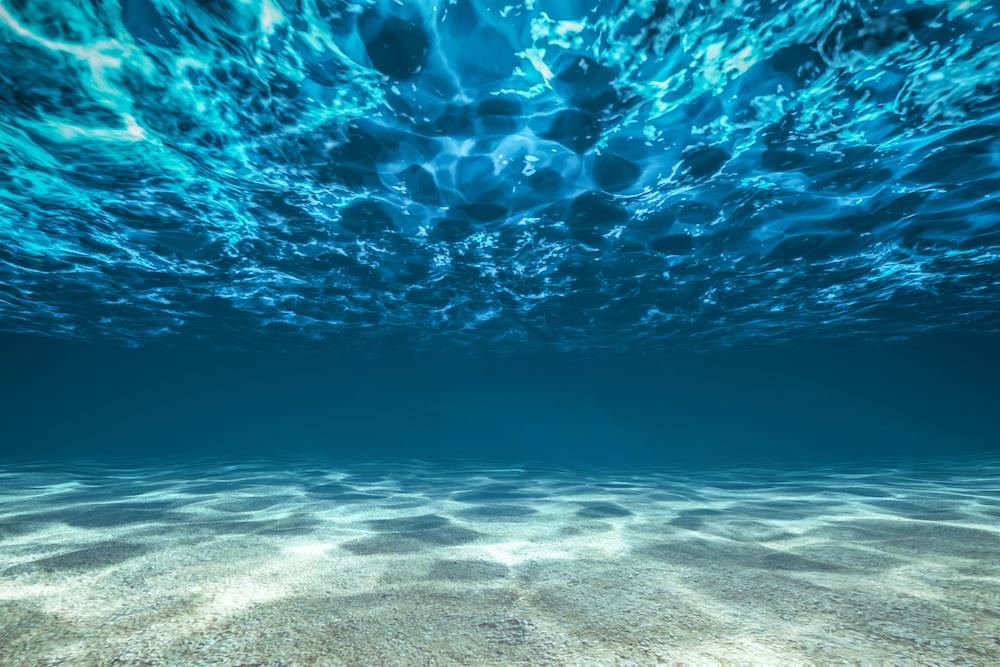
column 299, row 563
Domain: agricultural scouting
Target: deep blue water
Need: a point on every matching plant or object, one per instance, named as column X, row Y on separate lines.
column 592, row 233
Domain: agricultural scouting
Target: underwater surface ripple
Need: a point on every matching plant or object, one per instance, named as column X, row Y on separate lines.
column 550, row 173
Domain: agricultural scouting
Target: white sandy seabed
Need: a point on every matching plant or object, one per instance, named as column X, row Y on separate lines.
column 295, row 564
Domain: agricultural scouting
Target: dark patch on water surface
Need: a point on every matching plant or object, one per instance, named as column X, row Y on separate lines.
column 398, row 48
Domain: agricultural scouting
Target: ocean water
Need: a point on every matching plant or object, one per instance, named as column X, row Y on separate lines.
column 451, row 332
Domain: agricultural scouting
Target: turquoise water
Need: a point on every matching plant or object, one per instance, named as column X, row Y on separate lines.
column 550, row 175
column 458, row 332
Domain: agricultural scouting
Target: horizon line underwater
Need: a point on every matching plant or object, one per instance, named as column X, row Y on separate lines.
column 461, row 332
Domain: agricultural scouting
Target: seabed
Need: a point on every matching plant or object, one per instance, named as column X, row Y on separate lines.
column 300, row 563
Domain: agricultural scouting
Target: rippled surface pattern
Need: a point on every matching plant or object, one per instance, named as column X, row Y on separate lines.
column 555, row 174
